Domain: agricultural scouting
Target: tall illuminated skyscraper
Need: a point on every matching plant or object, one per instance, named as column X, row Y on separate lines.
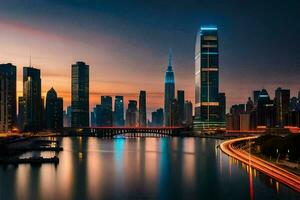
column 207, row 103
column 169, row 92
column 80, row 95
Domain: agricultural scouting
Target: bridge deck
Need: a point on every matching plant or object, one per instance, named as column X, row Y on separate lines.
column 130, row 131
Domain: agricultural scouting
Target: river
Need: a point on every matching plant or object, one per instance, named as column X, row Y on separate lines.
column 139, row 168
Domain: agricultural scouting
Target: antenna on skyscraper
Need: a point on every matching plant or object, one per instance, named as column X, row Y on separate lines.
column 170, row 57
column 30, row 58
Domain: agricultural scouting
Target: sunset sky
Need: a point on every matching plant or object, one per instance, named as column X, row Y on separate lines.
column 126, row 44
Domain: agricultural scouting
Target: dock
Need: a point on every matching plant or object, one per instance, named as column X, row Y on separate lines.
column 31, row 160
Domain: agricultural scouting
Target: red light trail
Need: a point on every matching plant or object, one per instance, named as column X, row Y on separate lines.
column 272, row 170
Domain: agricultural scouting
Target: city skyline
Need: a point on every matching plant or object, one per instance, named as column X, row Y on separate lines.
column 195, row 99
column 99, row 48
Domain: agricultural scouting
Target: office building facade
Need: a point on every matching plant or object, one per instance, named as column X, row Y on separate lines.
column 119, row 111
column 33, row 105
column 207, row 103
column 80, row 95
column 8, row 101
column 54, row 111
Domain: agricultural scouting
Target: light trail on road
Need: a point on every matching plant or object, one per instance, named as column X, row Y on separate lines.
column 270, row 169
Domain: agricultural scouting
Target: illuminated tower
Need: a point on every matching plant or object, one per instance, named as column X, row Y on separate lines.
column 169, row 91
column 208, row 104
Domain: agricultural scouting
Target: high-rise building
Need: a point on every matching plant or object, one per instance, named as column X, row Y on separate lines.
column 142, row 109
column 8, row 101
column 169, row 92
column 207, row 103
column 93, row 118
column 244, row 122
column 21, row 105
column 107, row 114
column 174, row 113
column 33, row 116
column 294, row 104
column 69, row 116
column 54, row 111
column 229, row 122
column 255, row 96
column 249, row 105
column 180, row 102
column 282, row 102
column 98, row 116
column 188, row 113
column 80, row 95
column 221, row 99
column 119, row 111
column 131, row 114
column 265, row 110
column 157, row 118
column 235, row 112
column 43, row 112
column 65, row 118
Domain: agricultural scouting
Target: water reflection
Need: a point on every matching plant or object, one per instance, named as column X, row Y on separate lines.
column 94, row 169
column 22, row 179
column 189, row 162
column 136, row 168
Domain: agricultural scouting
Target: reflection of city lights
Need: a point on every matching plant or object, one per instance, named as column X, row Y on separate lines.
column 277, row 187
column 251, row 184
column 80, row 155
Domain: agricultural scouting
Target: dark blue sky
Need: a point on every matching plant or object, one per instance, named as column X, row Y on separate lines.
column 259, row 40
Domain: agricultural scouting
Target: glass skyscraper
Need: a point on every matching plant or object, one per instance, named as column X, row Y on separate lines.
column 54, row 111
column 142, row 109
column 33, row 105
column 106, row 114
column 119, row 111
column 131, row 114
column 80, row 95
column 209, row 111
column 8, row 99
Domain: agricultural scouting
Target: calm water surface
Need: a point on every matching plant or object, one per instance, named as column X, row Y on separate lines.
column 139, row 168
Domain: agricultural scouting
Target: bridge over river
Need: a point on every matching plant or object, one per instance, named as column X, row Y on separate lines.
column 126, row 131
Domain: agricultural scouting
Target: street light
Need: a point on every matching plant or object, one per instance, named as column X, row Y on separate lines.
column 278, row 155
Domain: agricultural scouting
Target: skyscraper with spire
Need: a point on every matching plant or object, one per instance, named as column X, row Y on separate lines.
column 169, row 91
